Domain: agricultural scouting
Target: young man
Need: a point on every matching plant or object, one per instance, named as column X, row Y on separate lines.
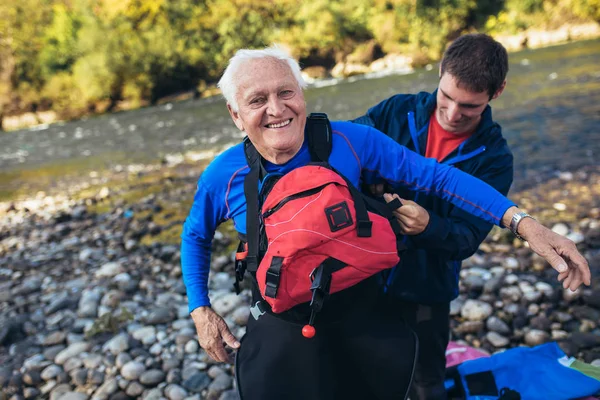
column 453, row 125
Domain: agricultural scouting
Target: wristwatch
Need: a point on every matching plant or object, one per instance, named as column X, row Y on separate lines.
column 516, row 220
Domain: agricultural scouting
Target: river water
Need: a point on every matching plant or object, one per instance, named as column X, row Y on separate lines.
column 550, row 114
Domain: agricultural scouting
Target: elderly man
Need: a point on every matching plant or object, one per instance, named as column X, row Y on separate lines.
column 355, row 354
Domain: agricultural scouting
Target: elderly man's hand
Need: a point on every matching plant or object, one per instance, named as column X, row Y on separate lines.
column 559, row 251
column 412, row 217
column 212, row 332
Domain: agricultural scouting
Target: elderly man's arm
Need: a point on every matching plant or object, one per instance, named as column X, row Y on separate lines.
column 383, row 158
column 196, row 238
column 459, row 234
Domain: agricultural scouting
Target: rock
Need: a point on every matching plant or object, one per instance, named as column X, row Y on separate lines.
column 470, row 327
column 74, row 396
column 72, row 351
column 51, row 372
column 135, row 389
column 109, row 270
column 133, row 370
column 496, row 339
column 536, row 337
column 192, row 347
column 497, row 325
column 511, row 263
column 561, row 229
column 474, row 310
column 230, row 395
column 152, row 377
column 117, row 344
column 227, row 303
column 197, row 382
column 456, row 306
column 55, row 338
column 540, row 322
column 109, row 387
column 240, row 315
column 160, row 315
column 175, row 392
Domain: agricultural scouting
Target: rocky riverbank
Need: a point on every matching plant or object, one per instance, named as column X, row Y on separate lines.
column 92, row 305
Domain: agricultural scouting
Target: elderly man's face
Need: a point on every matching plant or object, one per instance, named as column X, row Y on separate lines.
column 272, row 110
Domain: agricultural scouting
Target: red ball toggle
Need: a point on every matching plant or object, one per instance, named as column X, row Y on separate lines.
column 308, row 331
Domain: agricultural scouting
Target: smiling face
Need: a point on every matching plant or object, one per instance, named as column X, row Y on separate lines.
column 272, row 110
column 459, row 110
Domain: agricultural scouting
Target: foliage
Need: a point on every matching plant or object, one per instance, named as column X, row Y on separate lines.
column 81, row 56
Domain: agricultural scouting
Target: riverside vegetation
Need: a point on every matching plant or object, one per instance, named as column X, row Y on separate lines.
column 62, row 59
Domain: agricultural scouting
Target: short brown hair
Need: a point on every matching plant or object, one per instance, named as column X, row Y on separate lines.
column 477, row 62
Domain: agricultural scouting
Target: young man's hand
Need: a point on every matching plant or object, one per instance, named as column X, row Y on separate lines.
column 212, row 332
column 412, row 217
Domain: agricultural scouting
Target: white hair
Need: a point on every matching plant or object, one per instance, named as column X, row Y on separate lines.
column 227, row 83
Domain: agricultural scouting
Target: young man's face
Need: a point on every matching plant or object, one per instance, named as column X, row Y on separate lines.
column 458, row 109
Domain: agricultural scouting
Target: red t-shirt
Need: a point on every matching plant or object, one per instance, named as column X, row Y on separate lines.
column 440, row 143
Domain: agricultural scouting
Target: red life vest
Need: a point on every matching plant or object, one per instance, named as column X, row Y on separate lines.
column 315, row 233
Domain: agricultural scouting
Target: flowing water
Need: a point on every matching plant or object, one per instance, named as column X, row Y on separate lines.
column 550, row 114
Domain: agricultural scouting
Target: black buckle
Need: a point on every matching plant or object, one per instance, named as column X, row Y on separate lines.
column 272, row 284
column 363, row 228
column 321, row 284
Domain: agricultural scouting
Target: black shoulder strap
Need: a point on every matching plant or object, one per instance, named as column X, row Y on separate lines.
column 254, row 160
column 319, row 135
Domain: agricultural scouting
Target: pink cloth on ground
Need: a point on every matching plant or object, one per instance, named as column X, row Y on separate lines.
column 458, row 353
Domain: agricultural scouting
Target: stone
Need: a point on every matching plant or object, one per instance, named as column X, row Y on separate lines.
column 536, row 337
column 475, row 310
column 72, row 351
column 109, row 270
column 109, row 387
column 57, row 337
column 175, row 392
column 135, row 389
column 117, row 344
column 197, row 382
column 132, row 370
column 152, row 377
column 51, row 372
column 497, row 325
column 160, row 315
column 496, row 339
column 74, row 396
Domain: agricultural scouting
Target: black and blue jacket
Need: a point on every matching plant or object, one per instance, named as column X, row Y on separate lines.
column 429, row 272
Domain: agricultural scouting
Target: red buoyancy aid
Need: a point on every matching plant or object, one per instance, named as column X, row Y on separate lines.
column 314, row 233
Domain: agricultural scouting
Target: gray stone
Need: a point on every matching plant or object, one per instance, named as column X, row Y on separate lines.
column 495, row 324
column 197, row 382
column 72, row 351
column 59, row 391
column 175, row 392
column 536, row 337
column 109, row 387
column 109, row 270
column 475, row 310
column 221, row 383
column 160, row 315
column 135, row 389
column 74, row 396
column 72, row 363
column 192, row 347
column 55, row 338
column 51, row 372
column 31, row 393
column 230, row 395
column 132, row 370
column 227, row 303
column 496, row 339
column 122, row 359
column 152, row 377
column 117, row 344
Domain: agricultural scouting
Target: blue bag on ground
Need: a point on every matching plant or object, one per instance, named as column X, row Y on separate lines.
column 525, row 373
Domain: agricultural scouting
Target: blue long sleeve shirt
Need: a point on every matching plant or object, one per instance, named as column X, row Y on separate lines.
column 358, row 152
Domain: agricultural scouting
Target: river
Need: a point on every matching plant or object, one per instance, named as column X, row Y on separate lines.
column 550, row 114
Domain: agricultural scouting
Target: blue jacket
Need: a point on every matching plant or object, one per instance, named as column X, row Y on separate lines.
column 358, row 152
column 428, row 272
